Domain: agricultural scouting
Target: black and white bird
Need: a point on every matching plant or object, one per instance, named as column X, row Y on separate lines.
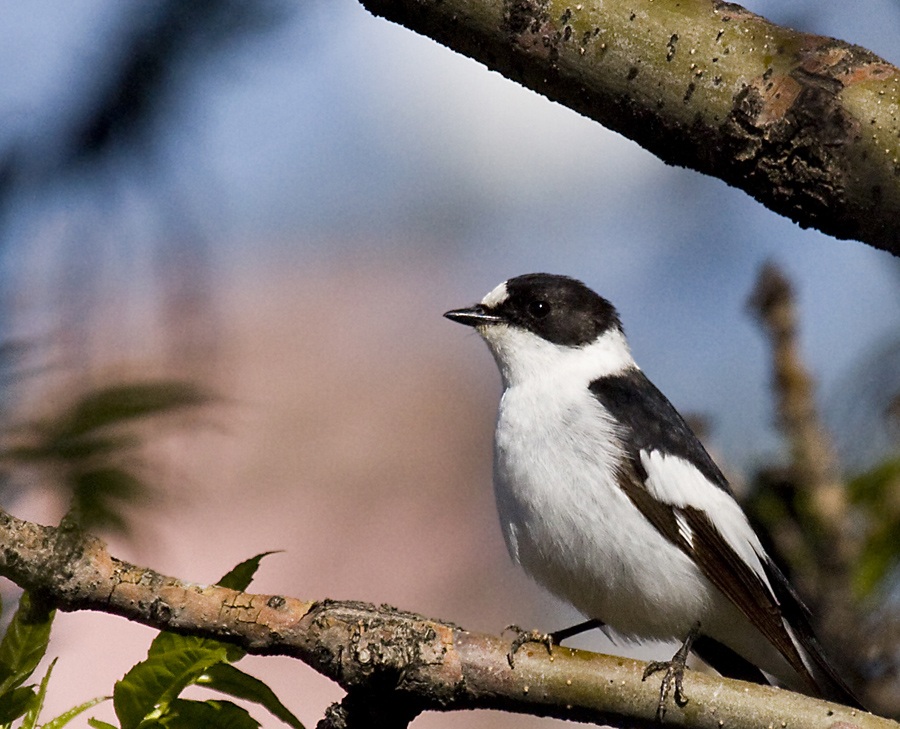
column 609, row 500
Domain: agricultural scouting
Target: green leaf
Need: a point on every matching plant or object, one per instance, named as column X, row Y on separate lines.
column 176, row 661
column 210, row 714
column 67, row 716
column 240, row 577
column 158, row 680
column 167, row 642
column 234, row 682
column 97, row 724
column 34, row 710
column 15, row 703
column 24, row 644
column 83, row 431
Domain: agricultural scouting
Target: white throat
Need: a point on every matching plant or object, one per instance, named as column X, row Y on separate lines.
column 523, row 356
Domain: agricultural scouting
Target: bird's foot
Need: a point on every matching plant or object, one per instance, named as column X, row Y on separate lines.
column 674, row 676
column 526, row 636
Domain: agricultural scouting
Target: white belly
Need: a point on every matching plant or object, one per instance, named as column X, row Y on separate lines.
column 572, row 528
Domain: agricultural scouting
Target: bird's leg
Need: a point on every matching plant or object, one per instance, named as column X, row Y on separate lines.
column 547, row 639
column 674, row 673
column 559, row 636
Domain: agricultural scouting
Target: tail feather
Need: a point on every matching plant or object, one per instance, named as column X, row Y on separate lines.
column 727, row 662
column 822, row 673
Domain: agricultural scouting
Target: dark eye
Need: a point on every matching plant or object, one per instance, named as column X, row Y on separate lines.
column 538, row 309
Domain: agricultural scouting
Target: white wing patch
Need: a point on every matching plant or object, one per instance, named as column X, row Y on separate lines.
column 684, row 529
column 677, row 482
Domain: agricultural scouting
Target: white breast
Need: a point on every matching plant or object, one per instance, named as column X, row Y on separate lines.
column 571, row 527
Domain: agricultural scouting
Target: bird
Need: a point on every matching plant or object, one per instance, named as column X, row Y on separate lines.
column 608, row 499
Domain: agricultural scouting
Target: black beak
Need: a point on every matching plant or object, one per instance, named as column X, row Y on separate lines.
column 473, row 316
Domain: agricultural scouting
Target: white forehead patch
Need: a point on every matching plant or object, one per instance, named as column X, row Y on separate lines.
column 496, row 297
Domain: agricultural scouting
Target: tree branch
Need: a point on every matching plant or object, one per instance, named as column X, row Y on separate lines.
column 813, row 465
column 393, row 664
column 814, row 473
column 807, row 125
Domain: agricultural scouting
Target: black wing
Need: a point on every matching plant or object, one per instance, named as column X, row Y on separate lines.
column 651, row 423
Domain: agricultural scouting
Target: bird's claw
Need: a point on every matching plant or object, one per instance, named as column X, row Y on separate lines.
column 674, row 674
column 674, row 677
column 526, row 636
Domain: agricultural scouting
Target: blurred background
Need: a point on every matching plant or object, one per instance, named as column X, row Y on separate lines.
column 275, row 201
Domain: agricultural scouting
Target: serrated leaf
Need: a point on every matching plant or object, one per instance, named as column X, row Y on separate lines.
column 15, row 703
column 24, row 644
column 240, row 577
column 210, row 714
column 158, row 680
column 34, row 710
column 175, row 661
column 97, row 724
column 67, row 716
column 232, row 681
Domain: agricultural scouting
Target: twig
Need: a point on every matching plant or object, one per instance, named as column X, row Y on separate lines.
column 813, row 466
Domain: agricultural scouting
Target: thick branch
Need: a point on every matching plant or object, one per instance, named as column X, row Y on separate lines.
column 809, row 126
column 410, row 663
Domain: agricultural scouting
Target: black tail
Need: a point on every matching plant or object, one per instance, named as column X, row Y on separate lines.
column 822, row 674
column 720, row 657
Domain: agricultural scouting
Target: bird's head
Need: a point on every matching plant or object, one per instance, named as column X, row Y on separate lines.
column 540, row 323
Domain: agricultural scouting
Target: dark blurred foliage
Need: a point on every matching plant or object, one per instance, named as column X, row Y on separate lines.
column 91, row 448
column 118, row 104
column 836, row 536
column 876, row 493
column 165, row 39
column 121, row 104
column 856, row 614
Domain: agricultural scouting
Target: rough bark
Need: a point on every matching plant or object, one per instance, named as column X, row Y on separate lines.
column 393, row 664
column 805, row 124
